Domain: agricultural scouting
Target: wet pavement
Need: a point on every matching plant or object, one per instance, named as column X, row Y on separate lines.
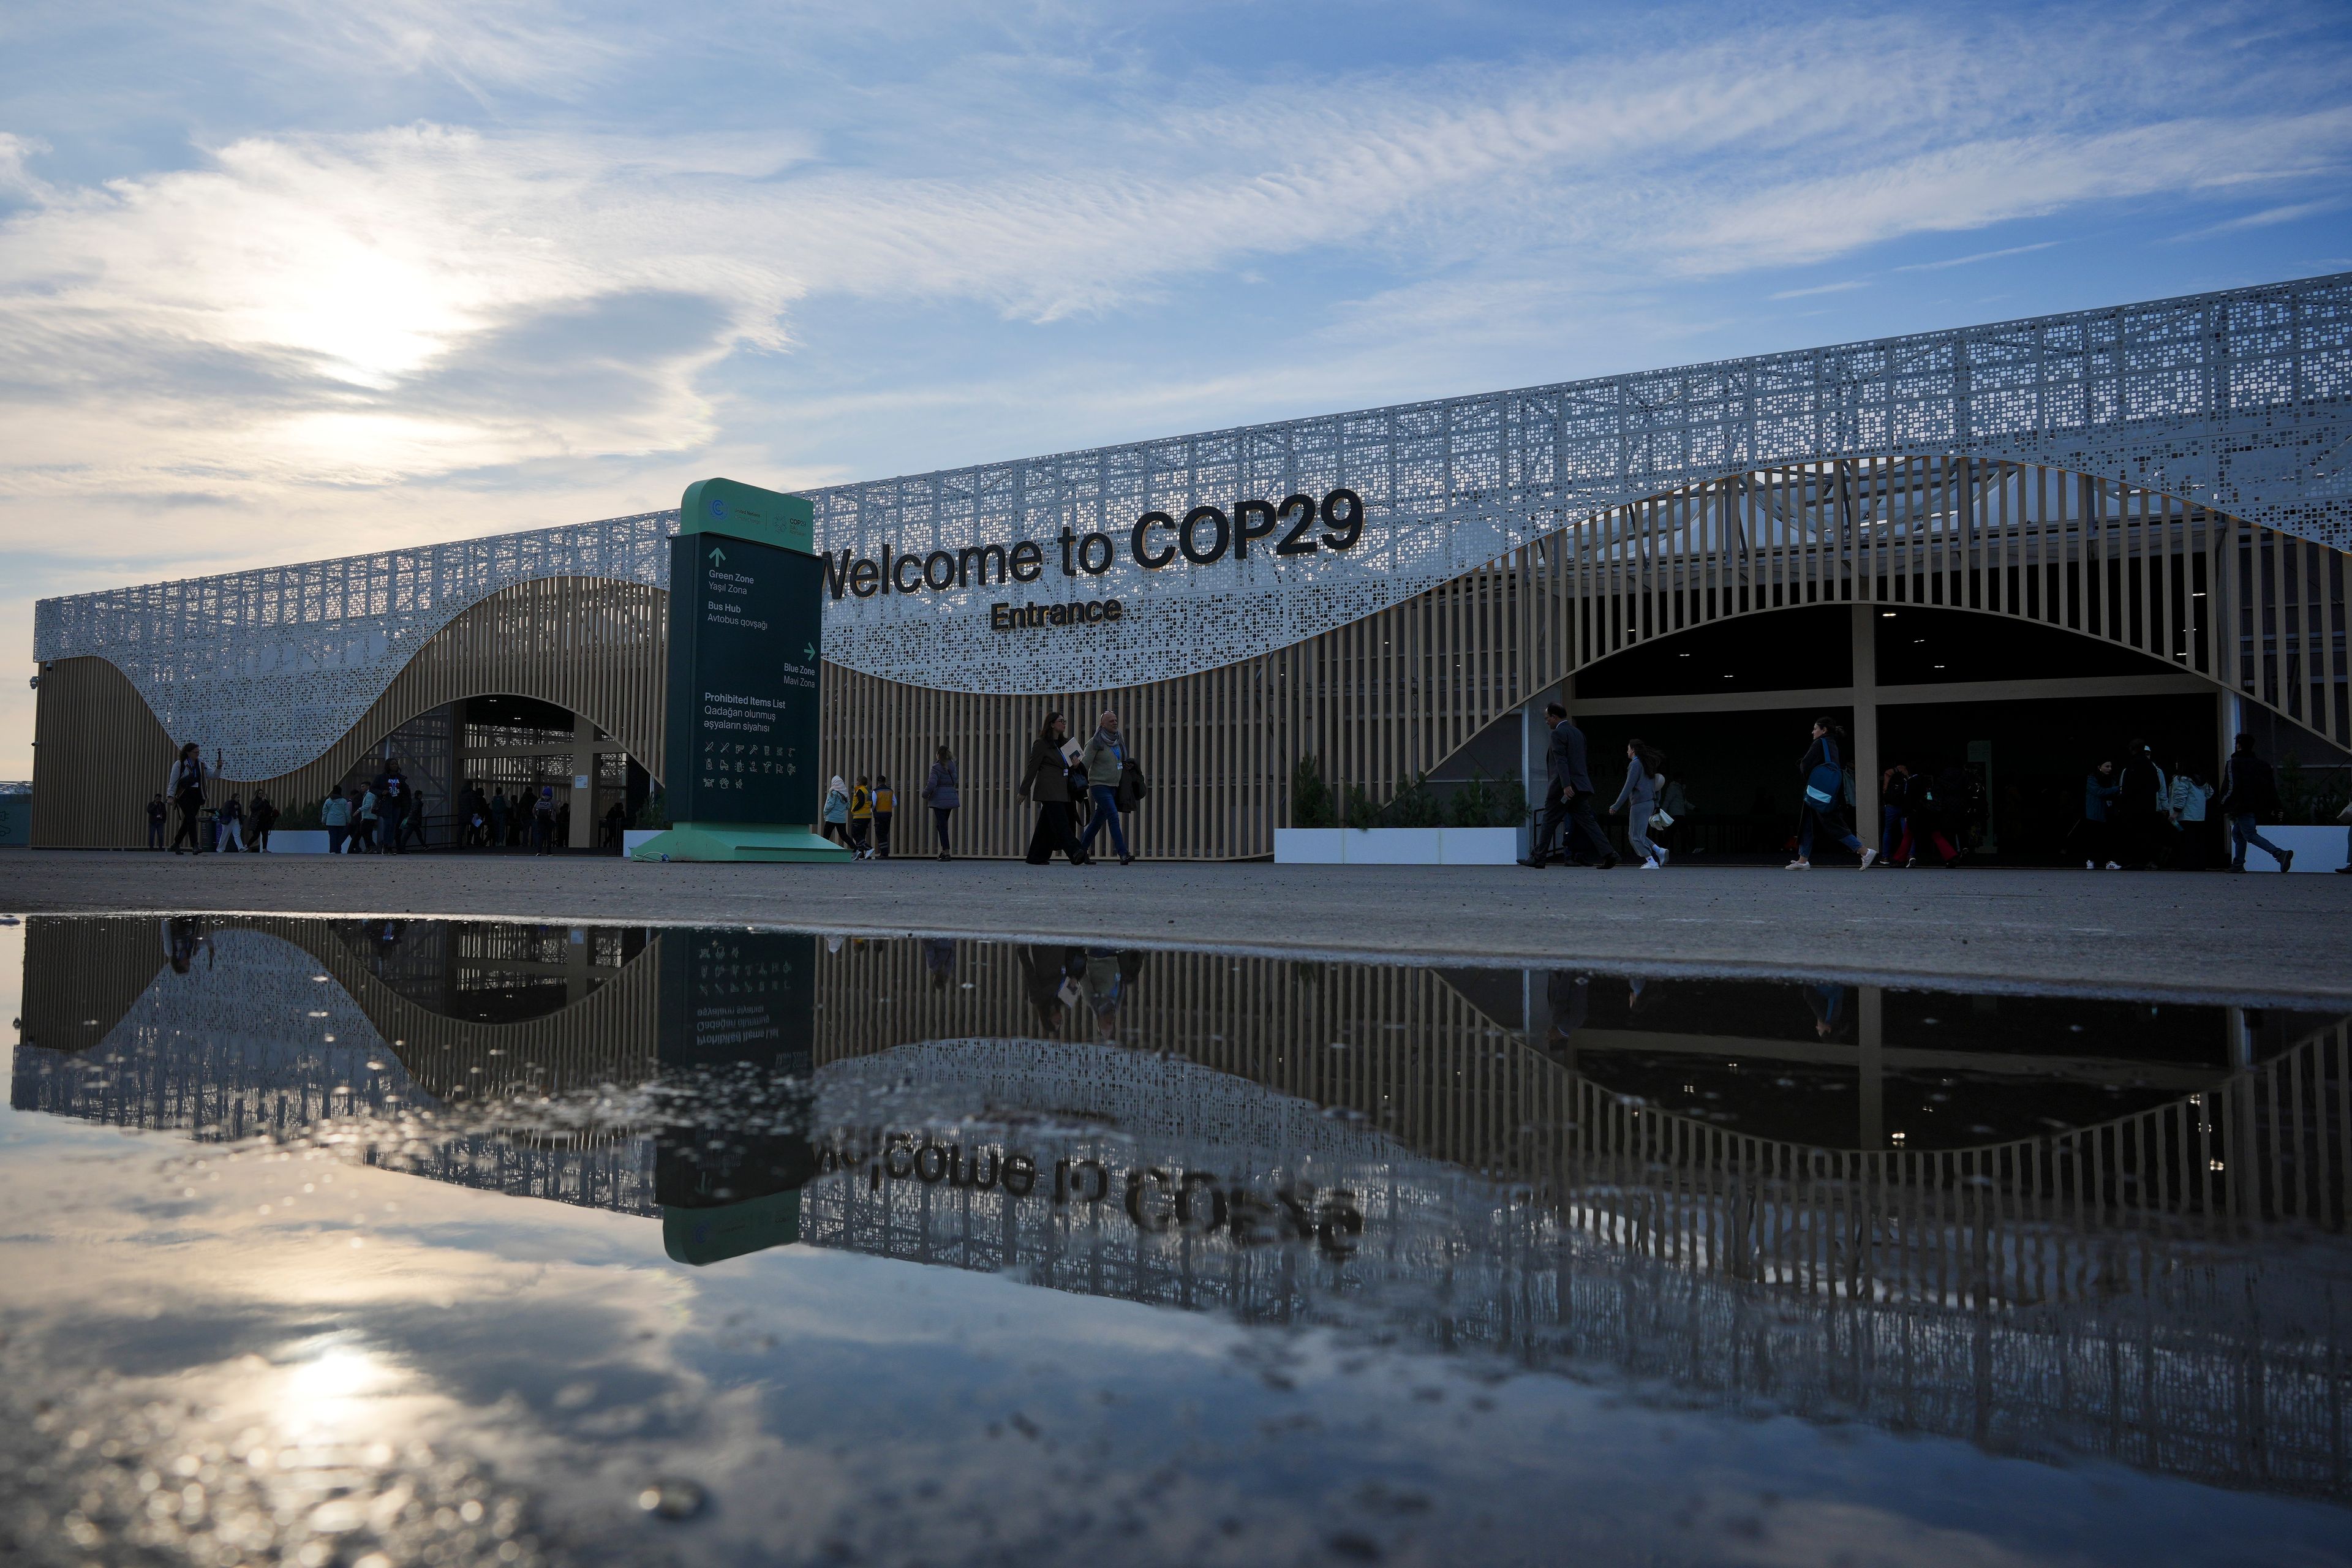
column 371, row 1242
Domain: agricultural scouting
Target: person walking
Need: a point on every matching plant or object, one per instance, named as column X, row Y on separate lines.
column 158, row 813
column 1922, row 823
column 1567, row 799
column 502, row 813
column 260, row 820
column 2187, row 801
column 542, row 821
column 2139, row 811
column 412, row 817
column 229, row 826
column 940, row 793
column 2249, row 788
column 886, row 810
column 1046, row 781
column 1823, row 769
column 369, row 820
column 861, row 818
column 1105, row 759
column 335, row 817
column 184, row 788
column 392, row 811
column 1892, row 782
column 837, row 812
column 1645, row 773
column 2099, row 790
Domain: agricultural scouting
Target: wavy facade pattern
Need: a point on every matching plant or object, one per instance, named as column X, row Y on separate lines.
column 2237, row 403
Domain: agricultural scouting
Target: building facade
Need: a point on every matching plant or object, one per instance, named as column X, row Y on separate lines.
column 1968, row 546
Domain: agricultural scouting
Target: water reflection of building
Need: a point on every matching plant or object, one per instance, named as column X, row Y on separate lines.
column 1507, row 1161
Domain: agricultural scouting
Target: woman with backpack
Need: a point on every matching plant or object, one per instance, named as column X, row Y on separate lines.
column 1824, row 773
column 941, row 794
column 1645, row 776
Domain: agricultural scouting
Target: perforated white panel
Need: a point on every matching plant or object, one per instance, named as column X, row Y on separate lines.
column 2240, row 401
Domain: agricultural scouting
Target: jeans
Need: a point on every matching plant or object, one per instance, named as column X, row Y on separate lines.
column 1833, row 823
column 939, row 814
column 155, row 834
column 1105, row 810
column 335, row 836
column 1637, row 830
column 882, row 834
column 2243, row 832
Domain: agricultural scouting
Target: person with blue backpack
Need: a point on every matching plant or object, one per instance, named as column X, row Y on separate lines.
column 1824, row 771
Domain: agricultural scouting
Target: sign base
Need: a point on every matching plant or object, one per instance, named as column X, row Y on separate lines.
column 738, row 841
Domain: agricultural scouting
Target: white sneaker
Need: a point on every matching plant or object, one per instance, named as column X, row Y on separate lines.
column 1798, row 865
column 2112, row 866
column 2090, row 865
column 1650, row 866
column 1867, row 856
column 1663, row 854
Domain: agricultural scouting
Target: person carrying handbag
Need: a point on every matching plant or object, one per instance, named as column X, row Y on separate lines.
column 1824, row 788
column 1105, row 761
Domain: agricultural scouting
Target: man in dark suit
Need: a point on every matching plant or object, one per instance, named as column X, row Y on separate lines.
column 1568, row 796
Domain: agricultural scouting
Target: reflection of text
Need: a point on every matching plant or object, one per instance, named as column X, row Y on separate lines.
column 1155, row 1200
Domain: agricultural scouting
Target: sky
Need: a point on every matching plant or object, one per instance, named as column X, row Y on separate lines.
column 289, row 278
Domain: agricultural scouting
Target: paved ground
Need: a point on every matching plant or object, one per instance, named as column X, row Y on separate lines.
column 2261, row 936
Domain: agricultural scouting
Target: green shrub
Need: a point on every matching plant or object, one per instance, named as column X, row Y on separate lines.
column 1360, row 811
column 1311, row 797
column 1415, row 806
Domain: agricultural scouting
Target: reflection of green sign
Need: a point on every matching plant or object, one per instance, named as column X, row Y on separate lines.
column 741, row 774
column 714, row 1235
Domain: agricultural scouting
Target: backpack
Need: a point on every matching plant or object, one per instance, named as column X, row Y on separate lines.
column 1826, row 783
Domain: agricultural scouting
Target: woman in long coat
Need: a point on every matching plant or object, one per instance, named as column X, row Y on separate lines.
column 1046, row 781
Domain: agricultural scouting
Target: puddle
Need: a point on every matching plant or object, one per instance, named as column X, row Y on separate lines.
column 368, row 1243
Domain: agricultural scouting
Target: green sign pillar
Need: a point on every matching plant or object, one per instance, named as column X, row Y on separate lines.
column 742, row 776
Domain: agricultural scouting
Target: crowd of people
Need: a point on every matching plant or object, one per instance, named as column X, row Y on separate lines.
column 1084, row 791
column 2135, row 815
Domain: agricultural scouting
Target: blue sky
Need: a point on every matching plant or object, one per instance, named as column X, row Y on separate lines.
column 282, row 279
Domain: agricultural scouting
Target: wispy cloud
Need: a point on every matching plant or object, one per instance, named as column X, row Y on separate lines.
column 1979, row 255
column 1820, row 288
column 2265, row 219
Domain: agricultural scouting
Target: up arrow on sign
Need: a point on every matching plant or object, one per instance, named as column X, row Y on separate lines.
column 718, row 556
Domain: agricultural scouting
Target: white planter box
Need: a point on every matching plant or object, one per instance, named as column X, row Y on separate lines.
column 1395, row 846
column 2319, row 848
column 298, row 841
column 1479, row 845
column 631, row 838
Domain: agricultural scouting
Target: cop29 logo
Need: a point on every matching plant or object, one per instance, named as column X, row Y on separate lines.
column 1296, row 525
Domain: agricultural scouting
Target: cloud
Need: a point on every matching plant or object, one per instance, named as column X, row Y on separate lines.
column 1979, row 255
column 2265, row 219
column 1819, row 289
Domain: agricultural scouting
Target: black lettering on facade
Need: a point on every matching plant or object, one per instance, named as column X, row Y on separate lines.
column 862, row 579
column 1296, row 542
column 1252, row 519
column 836, row 573
column 1028, row 561
column 1185, row 535
column 1344, row 510
column 1144, row 556
column 1087, row 553
column 976, row 554
column 940, row 570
